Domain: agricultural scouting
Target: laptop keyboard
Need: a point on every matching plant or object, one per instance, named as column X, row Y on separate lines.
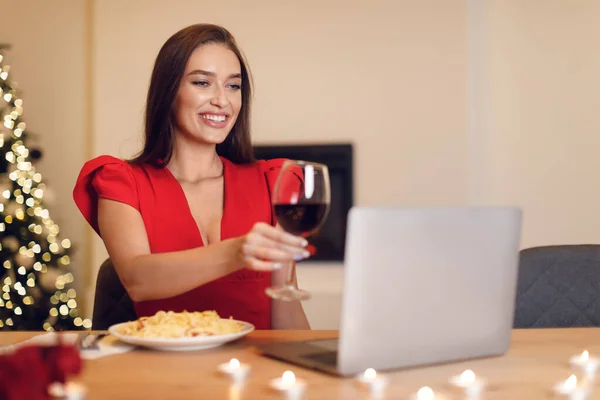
column 325, row 357
column 325, row 351
column 324, row 344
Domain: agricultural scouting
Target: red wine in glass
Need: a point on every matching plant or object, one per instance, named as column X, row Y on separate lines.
column 301, row 219
column 301, row 202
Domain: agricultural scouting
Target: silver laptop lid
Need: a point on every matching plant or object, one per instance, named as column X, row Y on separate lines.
column 427, row 285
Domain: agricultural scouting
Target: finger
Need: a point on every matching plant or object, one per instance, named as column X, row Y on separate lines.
column 260, row 265
column 280, row 235
column 266, row 253
column 259, row 240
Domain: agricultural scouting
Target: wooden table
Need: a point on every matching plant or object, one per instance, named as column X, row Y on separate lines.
column 536, row 361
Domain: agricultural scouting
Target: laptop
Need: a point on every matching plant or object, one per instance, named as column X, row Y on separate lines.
column 422, row 286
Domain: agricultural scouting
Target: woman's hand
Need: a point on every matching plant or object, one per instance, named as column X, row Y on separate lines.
column 266, row 248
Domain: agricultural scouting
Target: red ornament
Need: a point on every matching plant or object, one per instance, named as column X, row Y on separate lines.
column 28, row 372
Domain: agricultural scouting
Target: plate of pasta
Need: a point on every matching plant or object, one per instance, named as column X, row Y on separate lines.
column 168, row 330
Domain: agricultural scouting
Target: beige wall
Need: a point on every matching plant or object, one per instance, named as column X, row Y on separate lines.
column 540, row 93
column 389, row 77
column 447, row 102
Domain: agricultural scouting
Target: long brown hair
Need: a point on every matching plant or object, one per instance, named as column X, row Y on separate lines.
column 168, row 71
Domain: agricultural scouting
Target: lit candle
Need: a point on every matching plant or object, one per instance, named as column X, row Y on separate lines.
column 289, row 385
column 373, row 382
column 467, row 377
column 235, row 370
column 587, row 363
column 569, row 389
column 472, row 385
column 68, row 391
column 427, row 393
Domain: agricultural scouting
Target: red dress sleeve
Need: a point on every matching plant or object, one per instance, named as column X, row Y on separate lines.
column 271, row 171
column 106, row 177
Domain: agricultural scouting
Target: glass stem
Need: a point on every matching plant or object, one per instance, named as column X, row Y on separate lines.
column 290, row 277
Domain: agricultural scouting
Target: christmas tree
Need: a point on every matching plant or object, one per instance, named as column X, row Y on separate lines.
column 35, row 290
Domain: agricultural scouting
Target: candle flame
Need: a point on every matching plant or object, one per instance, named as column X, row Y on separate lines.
column 585, row 356
column 571, row 382
column 467, row 377
column 370, row 374
column 425, row 393
column 234, row 363
column 288, row 378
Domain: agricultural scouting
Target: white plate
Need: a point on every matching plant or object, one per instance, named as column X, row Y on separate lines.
column 181, row 344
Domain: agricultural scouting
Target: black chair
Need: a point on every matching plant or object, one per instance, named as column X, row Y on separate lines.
column 112, row 304
column 559, row 286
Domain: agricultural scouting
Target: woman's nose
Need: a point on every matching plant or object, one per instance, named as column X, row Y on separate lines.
column 219, row 98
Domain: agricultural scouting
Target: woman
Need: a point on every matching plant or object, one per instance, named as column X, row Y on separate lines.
column 188, row 223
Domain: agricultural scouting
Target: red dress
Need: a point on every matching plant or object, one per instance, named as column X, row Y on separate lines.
column 170, row 226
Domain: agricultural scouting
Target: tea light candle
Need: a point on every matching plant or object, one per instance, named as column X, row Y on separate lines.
column 468, row 381
column 373, row 382
column 289, row 385
column 67, row 391
column 234, row 392
column 568, row 389
column 427, row 393
column 234, row 369
column 585, row 362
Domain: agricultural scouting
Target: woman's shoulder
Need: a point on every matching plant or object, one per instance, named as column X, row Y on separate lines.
column 273, row 163
column 110, row 166
column 106, row 160
column 265, row 171
column 107, row 177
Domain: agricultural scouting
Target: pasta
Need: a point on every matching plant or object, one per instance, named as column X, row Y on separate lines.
column 169, row 324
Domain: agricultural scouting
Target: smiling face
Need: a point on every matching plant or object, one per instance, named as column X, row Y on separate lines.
column 209, row 97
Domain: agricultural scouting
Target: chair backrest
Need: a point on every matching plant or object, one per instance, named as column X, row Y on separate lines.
column 559, row 286
column 112, row 304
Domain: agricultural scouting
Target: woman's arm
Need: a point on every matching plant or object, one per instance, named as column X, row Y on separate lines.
column 149, row 276
column 286, row 314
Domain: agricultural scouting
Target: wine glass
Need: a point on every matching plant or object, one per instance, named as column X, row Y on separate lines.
column 301, row 200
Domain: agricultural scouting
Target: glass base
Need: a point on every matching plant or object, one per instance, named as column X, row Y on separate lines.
column 287, row 293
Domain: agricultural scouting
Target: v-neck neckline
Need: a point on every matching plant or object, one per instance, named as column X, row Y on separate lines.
column 188, row 209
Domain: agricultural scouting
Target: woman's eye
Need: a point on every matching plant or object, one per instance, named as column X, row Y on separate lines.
column 200, row 83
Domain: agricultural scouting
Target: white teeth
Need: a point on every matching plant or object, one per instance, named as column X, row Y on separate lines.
column 217, row 118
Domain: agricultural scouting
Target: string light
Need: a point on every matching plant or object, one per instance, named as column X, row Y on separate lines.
column 22, row 216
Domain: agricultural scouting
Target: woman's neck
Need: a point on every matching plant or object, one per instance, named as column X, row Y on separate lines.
column 194, row 162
